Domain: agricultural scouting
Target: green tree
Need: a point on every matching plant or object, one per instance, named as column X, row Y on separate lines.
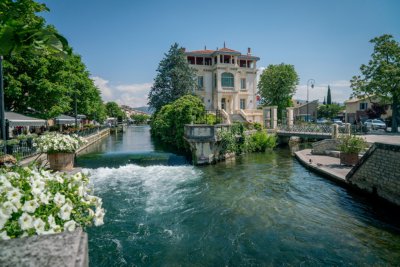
column 329, row 98
column 113, row 110
column 34, row 69
column 175, row 79
column 329, row 111
column 140, row 118
column 381, row 77
column 277, row 86
column 167, row 125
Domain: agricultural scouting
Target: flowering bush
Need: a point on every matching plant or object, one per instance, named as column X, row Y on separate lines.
column 35, row 201
column 55, row 142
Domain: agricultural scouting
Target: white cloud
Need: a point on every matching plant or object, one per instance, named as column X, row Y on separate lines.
column 340, row 91
column 133, row 95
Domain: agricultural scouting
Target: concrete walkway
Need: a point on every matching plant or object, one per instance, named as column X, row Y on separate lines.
column 324, row 165
column 384, row 138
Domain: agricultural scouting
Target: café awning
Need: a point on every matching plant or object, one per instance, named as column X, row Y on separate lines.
column 16, row 119
column 64, row 119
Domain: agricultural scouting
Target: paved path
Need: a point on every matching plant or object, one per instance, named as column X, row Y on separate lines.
column 384, row 138
column 325, row 165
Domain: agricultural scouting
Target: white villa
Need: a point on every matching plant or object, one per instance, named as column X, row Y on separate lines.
column 227, row 81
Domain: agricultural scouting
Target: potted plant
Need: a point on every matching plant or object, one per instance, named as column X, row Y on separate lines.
column 350, row 146
column 60, row 149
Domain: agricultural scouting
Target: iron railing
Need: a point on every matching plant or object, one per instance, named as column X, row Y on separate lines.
column 306, row 128
column 23, row 149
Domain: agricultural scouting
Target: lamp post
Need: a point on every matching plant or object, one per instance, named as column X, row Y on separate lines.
column 2, row 113
column 309, row 82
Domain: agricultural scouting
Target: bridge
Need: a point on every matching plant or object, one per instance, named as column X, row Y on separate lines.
column 309, row 131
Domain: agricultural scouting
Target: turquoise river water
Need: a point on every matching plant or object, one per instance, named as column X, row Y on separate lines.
column 258, row 210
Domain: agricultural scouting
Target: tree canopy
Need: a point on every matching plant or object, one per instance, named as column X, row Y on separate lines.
column 175, row 78
column 277, row 86
column 329, row 111
column 113, row 110
column 167, row 125
column 381, row 76
column 36, row 79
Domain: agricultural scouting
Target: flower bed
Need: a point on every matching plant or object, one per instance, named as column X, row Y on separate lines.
column 56, row 142
column 37, row 202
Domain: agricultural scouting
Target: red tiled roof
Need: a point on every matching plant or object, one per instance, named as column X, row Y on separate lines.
column 201, row 52
column 228, row 50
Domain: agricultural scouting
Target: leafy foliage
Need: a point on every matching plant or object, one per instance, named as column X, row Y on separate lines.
column 352, row 144
column 376, row 110
column 260, row 141
column 329, row 111
column 167, row 124
column 277, row 86
column 140, row 118
column 113, row 110
column 175, row 79
column 381, row 77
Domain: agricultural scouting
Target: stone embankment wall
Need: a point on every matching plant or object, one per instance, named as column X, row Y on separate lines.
column 91, row 139
column 65, row 249
column 378, row 172
column 324, row 146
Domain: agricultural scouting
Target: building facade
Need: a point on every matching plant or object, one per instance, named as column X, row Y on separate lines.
column 356, row 109
column 226, row 80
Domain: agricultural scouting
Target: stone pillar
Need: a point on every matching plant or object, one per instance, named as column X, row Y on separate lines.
column 267, row 117
column 347, row 128
column 289, row 116
column 274, row 117
column 335, row 131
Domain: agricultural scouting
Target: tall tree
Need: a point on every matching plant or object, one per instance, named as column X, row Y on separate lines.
column 277, row 86
column 113, row 110
column 328, row 97
column 175, row 78
column 381, row 77
column 324, row 103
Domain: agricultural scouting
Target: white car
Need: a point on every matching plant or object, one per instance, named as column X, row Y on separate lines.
column 375, row 124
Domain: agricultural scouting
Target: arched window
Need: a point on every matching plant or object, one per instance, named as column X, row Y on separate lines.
column 227, row 79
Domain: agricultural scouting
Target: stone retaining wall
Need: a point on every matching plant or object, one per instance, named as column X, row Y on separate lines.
column 378, row 172
column 322, row 147
column 65, row 249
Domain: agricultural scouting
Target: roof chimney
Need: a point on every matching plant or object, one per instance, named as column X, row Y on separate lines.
column 249, row 51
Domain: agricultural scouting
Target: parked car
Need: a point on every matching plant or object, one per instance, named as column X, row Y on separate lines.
column 375, row 124
column 338, row 122
column 322, row 121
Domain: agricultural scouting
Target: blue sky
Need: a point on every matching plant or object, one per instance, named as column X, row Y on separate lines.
column 122, row 42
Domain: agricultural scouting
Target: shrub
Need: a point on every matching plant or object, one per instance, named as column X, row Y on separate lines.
column 34, row 201
column 259, row 142
column 352, row 144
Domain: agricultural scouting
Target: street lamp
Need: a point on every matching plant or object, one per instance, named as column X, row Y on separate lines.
column 2, row 114
column 309, row 82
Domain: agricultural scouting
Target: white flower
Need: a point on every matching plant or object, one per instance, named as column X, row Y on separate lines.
column 8, row 208
column 52, row 221
column 3, row 219
column 70, row 226
column 59, row 199
column 30, row 206
column 4, row 236
column 45, row 198
column 65, row 212
column 25, row 221
column 99, row 217
column 17, row 203
column 39, row 225
column 14, row 195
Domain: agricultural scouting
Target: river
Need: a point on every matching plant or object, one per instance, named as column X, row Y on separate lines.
column 260, row 209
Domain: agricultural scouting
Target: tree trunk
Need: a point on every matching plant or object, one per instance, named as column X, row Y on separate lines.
column 395, row 114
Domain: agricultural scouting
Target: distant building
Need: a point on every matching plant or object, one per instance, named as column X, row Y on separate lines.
column 356, row 109
column 226, row 81
column 301, row 113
